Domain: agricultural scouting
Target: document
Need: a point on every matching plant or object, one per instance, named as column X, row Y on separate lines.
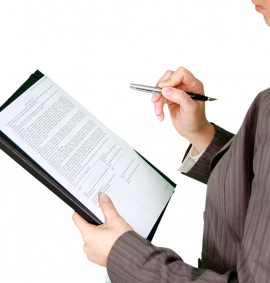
column 85, row 156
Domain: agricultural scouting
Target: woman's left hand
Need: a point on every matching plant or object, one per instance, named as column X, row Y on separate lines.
column 98, row 240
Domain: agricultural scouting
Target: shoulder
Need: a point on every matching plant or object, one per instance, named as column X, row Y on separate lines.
column 264, row 104
column 260, row 107
column 264, row 98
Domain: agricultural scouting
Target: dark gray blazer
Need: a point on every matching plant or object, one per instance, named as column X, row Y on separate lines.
column 236, row 241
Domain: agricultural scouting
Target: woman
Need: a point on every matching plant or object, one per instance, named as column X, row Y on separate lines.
column 236, row 242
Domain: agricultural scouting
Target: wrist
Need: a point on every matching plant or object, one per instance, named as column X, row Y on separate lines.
column 203, row 140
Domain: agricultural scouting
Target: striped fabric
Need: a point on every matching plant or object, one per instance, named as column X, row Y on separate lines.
column 236, row 241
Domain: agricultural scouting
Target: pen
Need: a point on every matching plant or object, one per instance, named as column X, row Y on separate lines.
column 153, row 89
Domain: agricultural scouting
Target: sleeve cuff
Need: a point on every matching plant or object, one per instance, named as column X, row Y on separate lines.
column 189, row 161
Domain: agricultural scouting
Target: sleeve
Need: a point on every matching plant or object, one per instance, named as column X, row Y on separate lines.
column 134, row 259
column 199, row 170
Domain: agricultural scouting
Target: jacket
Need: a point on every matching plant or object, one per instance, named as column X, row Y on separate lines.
column 236, row 240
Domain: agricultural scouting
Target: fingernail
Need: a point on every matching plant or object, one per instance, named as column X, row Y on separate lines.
column 162, row 83
column 159, row 117
column 167, row 91
column 104, row 197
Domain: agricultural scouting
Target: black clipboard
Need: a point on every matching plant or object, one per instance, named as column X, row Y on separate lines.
column 15, row 152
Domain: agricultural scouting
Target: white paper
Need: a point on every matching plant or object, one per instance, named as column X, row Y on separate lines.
column 84, row 156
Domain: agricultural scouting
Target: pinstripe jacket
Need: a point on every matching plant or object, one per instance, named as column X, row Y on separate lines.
column 236, row 241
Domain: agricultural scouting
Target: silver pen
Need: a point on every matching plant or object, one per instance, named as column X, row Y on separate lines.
column 153, row 89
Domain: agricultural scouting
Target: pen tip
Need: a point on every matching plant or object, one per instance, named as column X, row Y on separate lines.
column 212, row 99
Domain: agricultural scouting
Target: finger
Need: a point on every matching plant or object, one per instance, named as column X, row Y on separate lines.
column 159, row 101
column 155, row 97
column 164, row 76
column 180, row 97
column 159, row 111
column 184, row 77
column 81, row 223
column 161, row 118
column 108, row 209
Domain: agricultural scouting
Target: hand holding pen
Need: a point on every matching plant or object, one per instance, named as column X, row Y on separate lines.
column 187, row 114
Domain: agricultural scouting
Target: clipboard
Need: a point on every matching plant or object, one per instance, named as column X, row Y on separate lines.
column 14, row 152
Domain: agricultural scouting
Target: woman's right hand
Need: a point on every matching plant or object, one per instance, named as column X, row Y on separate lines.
column 187, row 115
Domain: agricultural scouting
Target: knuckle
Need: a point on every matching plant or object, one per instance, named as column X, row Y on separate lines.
column 200, row 81
column 85, row 248
column 184, row 72
column 166, row 72
column 182, row 67
column 179, row 68
column 167, row 75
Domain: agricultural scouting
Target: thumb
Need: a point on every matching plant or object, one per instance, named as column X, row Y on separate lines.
column 107, row 207
column 180, row 97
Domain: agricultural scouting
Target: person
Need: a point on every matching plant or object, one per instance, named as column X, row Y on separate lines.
column 236, row 240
